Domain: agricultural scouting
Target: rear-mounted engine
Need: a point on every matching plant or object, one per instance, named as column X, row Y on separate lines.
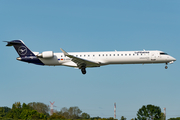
column 46, row 54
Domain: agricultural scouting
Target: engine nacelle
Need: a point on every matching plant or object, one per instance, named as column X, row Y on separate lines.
column 46, row 54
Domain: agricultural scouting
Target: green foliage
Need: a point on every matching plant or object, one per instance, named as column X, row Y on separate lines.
column 178, row 118
column 71, row 113
column 85, row 116
column 149, row 112
column 14, row 113
column 163, row 117
column 31, row 114
column 111, row 118
column 56, row 116
column 123, row 118
column 24, row 112
column 40, row 107
column 34, row 111
column 16, row 105
column 98, row 118
column 4, row 111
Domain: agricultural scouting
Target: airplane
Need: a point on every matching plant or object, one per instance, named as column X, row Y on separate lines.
column 83, row 60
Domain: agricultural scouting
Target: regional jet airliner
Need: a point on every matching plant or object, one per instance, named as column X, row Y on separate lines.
column 83, row 60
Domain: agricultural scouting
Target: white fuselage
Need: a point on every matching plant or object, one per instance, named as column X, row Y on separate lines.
column 110, row 57
column 82, row 60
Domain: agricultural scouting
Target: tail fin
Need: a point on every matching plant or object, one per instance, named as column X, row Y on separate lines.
column 20, row 47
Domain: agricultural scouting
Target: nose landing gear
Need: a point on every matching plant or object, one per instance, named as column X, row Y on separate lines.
column 166, row 67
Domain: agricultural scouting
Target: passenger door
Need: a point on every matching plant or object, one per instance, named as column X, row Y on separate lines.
column 153, row 56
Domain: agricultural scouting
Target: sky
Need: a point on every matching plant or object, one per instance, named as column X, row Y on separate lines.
column 88, row 26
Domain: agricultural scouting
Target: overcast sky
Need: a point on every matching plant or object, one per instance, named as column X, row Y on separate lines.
column 87, row 25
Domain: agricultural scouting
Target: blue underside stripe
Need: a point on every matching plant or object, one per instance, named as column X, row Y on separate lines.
column 31, row 59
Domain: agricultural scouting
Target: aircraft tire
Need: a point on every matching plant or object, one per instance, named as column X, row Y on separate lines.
column 83, row 70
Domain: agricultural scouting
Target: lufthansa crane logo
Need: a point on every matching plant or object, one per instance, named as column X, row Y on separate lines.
column 22, row 50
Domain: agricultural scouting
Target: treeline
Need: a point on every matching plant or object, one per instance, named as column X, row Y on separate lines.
column 37, row 110
column 25, row 111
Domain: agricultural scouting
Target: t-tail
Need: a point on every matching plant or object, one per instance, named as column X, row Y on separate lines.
column 21, row 48
column 25, row 54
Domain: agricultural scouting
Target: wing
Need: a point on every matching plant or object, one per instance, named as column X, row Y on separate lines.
column 81, row 62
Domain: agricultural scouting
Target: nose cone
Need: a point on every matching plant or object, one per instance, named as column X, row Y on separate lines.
column 172, row 58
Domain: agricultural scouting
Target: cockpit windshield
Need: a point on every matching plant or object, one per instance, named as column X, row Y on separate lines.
column 163, row 53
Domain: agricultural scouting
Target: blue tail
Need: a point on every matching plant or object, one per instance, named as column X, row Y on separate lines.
column 26, row 55
column 21, row 48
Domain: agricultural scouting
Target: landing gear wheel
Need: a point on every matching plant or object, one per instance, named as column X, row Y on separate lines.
column 83, row 70
column 166, row 67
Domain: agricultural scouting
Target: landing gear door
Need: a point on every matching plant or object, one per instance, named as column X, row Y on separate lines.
column 153, row 57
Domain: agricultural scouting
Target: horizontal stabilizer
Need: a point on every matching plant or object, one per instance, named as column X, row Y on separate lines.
column 20, row 47
column 11, row 43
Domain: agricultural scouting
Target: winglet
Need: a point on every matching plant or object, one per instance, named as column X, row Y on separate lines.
column 65, row 53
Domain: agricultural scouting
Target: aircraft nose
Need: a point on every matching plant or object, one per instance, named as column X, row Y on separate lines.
column 173, row 59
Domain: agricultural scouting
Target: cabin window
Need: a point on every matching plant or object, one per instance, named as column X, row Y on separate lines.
column 125, row 54
column 99, row 55
column 80, row 55
column 129, row 54
column 84, row 55
column 93, row 55
column 109, row 54
column 103, row 55
column 117, row 54
column 88, row 55
column 121, row 54
column 106, row 54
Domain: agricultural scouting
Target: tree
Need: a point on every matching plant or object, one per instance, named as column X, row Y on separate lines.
column 16, row 105
column 149, row 112
column 32, row 114
column 96, row 118
column 178, row 118
column 40, row 107
column 74, row 112
column 25, row 106
column 163, row 117
column 56, row 116
column 64, row 112
column 4, row 111
column 24, row 111
column 71, row 113
column 15, row 111
column 111, row 118
column 85, row 116
column 123, row 118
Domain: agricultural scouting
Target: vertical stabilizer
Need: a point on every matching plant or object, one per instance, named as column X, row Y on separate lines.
column 21, row 48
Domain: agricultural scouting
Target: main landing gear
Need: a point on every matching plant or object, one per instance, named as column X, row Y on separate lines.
column 166, row 67
column 83, row 70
